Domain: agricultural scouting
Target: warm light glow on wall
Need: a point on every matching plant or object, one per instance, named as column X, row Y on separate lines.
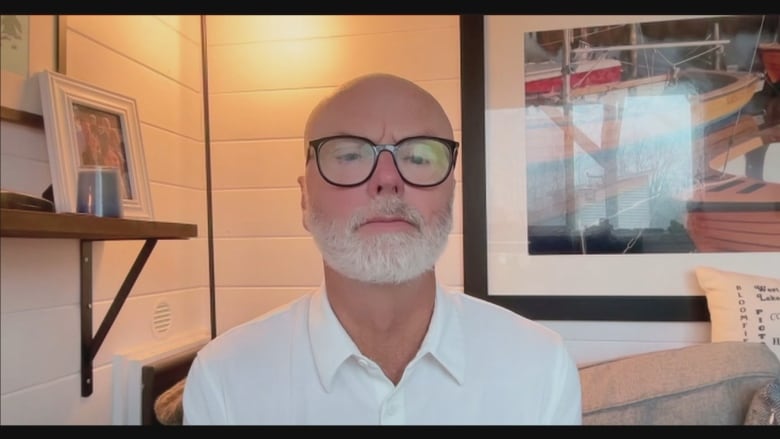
column 293, row 27
column 272, row 52
column 255, row 28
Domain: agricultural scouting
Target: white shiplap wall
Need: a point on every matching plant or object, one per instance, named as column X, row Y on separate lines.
column 157, row 61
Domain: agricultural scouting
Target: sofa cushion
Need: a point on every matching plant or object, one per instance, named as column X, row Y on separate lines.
column 707, row 384
column 743, row 307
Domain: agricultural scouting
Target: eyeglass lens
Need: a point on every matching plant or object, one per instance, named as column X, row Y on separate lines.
column 422, row 161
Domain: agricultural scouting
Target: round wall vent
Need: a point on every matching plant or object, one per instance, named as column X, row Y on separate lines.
column 162, row 319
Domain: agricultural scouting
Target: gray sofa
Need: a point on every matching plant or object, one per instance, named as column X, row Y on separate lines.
column 707, row 384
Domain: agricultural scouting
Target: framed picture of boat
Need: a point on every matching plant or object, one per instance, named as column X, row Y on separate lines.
column 605, row 157
column 27, row 46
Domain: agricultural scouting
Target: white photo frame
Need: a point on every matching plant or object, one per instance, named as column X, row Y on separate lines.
column 70, row 108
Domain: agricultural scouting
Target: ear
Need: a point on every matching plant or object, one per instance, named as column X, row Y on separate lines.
column 302, row 185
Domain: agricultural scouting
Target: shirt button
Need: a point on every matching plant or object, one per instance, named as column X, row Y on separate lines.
column 363, row 363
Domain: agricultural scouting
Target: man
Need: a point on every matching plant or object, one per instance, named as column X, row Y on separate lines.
column 381, row 342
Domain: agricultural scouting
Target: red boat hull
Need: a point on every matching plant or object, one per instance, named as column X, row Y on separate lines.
column 735, row 231
column 545, row 83
column 770, row 57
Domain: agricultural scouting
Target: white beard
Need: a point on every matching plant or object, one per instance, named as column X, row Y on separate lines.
column 384, row 258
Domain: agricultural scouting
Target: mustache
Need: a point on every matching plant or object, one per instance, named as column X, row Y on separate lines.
column 386, row 206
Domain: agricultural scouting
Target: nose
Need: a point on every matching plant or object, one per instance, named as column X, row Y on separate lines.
column 386, row 180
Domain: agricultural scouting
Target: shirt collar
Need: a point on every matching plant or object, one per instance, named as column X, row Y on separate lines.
column 445, row 337
column 331, row 345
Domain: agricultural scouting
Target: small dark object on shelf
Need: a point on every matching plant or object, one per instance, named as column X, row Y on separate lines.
column 17, row 200
column 48, row 194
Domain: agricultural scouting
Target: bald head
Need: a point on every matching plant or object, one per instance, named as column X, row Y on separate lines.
column 381, row 107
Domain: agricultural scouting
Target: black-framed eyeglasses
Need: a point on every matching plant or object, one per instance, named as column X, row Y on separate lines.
column 347, row 161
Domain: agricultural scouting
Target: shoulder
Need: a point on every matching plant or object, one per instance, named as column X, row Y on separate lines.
column 223, row 381
column 505, row 344
column 264, row 334
column 487, row 321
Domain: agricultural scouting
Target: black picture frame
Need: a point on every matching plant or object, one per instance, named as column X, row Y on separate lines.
column 475, row 263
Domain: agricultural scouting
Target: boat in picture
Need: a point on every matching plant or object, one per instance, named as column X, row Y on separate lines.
column 656, row 123
column 736, row 207
column 618, row 160
column 545, row 78
column 712, row 94
column 661, row 101
column 769, row 53
column 770, row 57
column 704, row 97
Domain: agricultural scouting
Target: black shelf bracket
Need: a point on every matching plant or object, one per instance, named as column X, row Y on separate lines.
column 90, row 345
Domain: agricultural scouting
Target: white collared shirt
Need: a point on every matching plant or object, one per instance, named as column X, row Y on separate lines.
column 478, row 364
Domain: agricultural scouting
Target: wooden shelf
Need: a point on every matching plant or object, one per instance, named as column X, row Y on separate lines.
column 15, row 223
column 31, row 224
column 21, row 117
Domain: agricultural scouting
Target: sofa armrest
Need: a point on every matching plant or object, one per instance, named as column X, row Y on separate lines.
column 707, row 384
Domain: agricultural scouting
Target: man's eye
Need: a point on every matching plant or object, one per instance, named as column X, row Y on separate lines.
column 418, row 159
column 348, row 156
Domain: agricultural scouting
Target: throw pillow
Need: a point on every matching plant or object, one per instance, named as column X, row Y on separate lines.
column 168, row 407
column 765, row 406
column 743, row 307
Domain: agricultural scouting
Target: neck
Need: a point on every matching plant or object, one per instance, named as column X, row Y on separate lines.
column 387, row 322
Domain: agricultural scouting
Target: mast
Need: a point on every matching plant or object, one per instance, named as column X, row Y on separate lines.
column 568, row 134
column 566, row 69
column 718, row 53
column 634, row 54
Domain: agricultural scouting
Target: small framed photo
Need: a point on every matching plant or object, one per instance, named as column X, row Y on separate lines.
column 86, row 126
